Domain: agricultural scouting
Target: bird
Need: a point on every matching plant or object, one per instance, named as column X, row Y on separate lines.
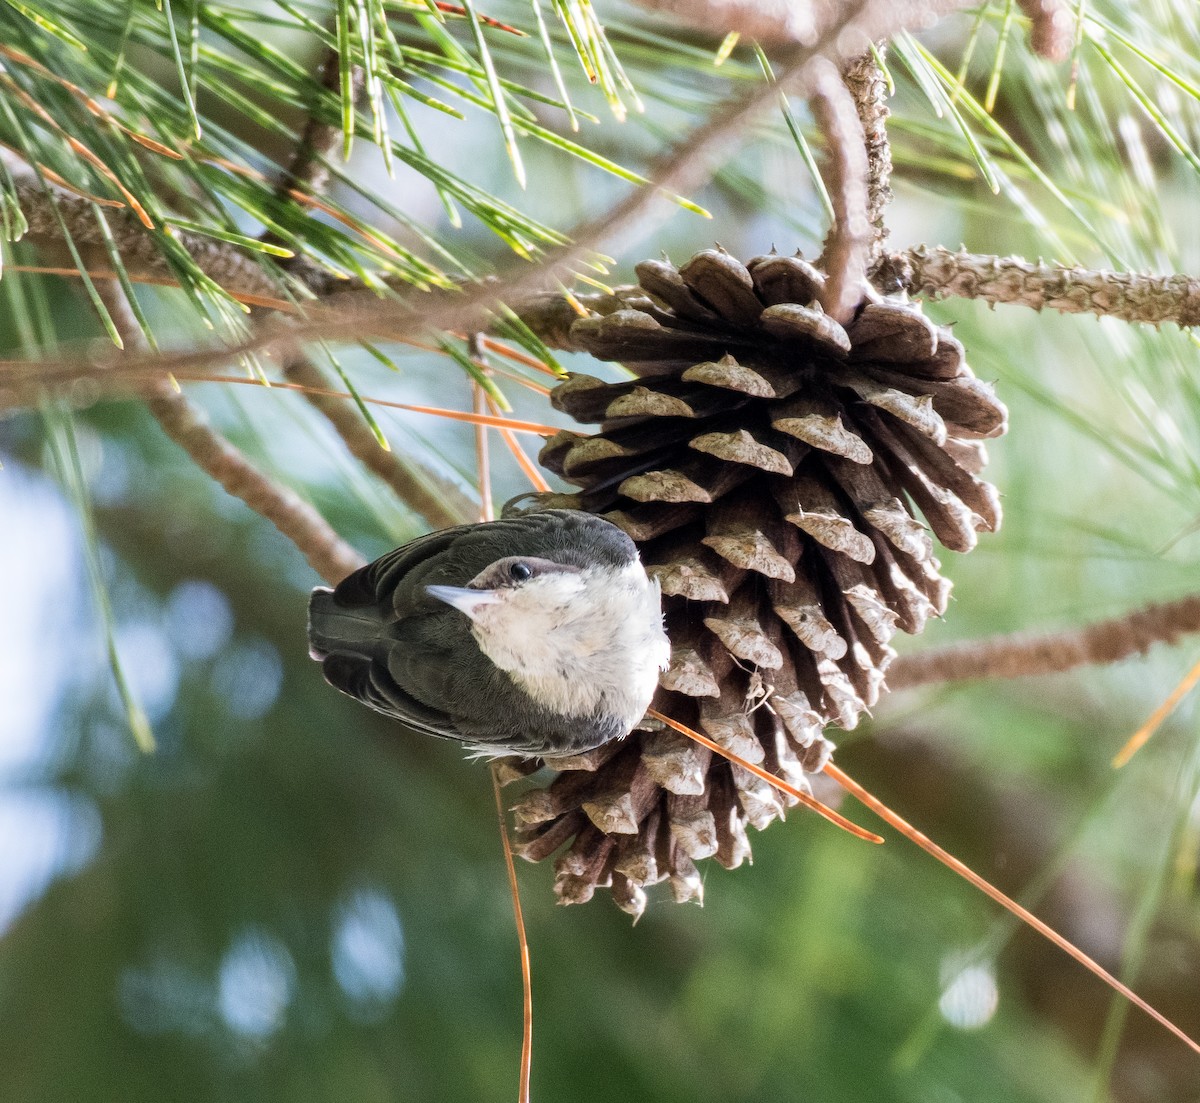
column 538, row 635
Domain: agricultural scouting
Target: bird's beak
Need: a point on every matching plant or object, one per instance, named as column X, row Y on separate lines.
column 464, row 599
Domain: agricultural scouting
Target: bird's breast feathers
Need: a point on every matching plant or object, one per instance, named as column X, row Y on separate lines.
column 581, row 643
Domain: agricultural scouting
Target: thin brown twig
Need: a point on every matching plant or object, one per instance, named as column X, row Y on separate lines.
column 328, row 554
column 1130, row 296
column 868, row 88
column 308, row 171
column 848, row 242
column 1025, row 654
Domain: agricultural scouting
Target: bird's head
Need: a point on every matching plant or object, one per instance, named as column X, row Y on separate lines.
column 575, row 638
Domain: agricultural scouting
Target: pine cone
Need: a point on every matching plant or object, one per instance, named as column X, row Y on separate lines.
column 769, row 463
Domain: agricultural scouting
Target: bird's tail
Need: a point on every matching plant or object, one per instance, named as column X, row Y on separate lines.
column 337, row 629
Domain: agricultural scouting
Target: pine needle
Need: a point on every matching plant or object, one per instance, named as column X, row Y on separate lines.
column 1140, row 737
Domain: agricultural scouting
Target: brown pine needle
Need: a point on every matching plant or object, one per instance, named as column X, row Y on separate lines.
column 523, row 943
column 521, row 381
column 516, row 355
column 804, row 798
column 82, row 150
column 487, row 20
column 483, row 459
column 480, row 363
column 482, row 420
column 152, row 279
column 950, row 862
column 88, row 102
column 489, row 421
column 66, row 186
column 536, row 479
column 1143, row 734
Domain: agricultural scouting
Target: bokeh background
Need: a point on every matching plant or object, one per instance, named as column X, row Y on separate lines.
column 294, row 900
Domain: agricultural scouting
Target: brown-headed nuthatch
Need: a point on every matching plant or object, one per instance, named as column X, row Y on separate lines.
column 535, row 635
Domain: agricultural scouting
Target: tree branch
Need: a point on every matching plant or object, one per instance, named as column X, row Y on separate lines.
column 848, row 242
column 307, row 171
column 1026, row 654
column 356, row 315
column 1132, row 297
column 250, row 277
column 868, row 89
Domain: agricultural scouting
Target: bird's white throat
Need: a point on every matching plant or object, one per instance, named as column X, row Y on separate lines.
column 580, row 643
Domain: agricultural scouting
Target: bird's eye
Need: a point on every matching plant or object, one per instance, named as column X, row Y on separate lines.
column 519, row 571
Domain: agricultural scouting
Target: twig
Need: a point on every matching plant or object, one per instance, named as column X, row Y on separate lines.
column 848, row 242
column 1026, row 654
column 307, row 171
column 1132, row 297
column 868, row 88
column 424, row 491
column 240, row 273
column 330, row 556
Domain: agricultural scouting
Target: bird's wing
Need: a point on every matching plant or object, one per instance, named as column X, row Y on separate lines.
column 370, row 682
column 381, row 586
column 369, row 585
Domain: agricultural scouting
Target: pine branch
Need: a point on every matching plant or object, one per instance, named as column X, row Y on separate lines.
column 937, row 273
column 1026, row 654
column 868, row 87
column 848, row 243
column 330, row 556
column 248, row 277
column 357, row 314
column 1133, row 297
